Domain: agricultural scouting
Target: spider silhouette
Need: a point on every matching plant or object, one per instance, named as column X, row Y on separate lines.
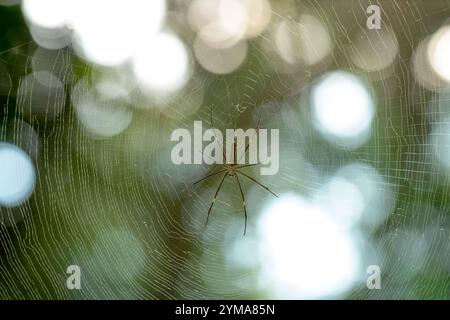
column 233, row 169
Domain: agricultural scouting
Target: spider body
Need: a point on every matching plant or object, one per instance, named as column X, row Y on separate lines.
column 233, row 169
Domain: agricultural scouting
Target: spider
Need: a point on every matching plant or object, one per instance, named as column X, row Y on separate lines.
column 233, row 170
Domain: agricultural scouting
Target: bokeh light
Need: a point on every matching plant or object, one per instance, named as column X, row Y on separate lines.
column 163, row 64
column 56, row 62
column 304, row 253
column 220, row 61
column 223, row 23
column 259, row 14
column 101, row 39
column 375, row 51
column 342, row 107
column 17, row 175
column 440, row 141
column 50, row 38
column 424, row 72
column 369, row 197
column 93, row 26
column 343, row 200
column 41, row 94
column 439, row 51
column 304, row 41
column 101, row 116
column 46, row 13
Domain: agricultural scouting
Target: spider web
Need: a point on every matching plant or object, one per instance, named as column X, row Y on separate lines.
column 132, row 220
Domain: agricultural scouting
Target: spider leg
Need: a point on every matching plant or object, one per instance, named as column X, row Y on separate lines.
column 212, row 126
column 243, row 202
column 215, row 196
column 209, row 175
column 254, row 180
column 248, row 165
column 248, row 143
